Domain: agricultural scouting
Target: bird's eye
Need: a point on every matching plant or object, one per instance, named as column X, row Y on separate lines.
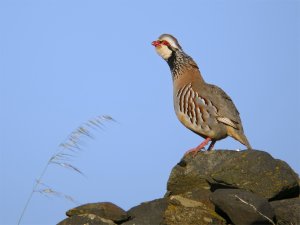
column 165, row 43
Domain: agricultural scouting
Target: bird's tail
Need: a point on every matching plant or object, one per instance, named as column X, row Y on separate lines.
column 239, row 136
column 245, row 141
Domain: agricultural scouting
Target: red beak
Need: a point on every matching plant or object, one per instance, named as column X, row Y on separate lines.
column 155, row 43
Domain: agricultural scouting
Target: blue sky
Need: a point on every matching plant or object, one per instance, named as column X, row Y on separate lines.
column 65, row 62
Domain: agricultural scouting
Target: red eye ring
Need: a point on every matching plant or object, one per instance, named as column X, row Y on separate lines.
column 164, row 42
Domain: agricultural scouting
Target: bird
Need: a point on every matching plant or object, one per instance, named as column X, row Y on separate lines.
column 201, row 107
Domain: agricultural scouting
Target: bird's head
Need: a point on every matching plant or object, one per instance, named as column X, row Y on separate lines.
column 165, row 45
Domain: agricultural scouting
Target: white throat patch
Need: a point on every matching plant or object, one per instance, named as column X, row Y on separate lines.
column 163, row 51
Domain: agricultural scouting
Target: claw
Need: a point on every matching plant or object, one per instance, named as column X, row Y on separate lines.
column 194, row 151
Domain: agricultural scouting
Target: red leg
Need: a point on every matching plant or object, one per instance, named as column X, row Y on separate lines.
column 199, row 147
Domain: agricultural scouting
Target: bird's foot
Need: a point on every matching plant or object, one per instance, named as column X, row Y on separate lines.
column 193, row 151
column 200, row 147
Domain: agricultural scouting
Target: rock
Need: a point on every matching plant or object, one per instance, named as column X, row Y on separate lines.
column 185, row 211
column 287, row 211
column 147, row 213
column 260, row 173
column 243, row 207
column 84, row 219
column 252, row 170
column 200, row 195
column 106, row 210
column 192, row 173
column 215, row 187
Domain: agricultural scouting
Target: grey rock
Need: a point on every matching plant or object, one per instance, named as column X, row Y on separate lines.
column 185, row 211
column 243, row 207
column 106, row 210
column 148, row 213
column 193, row 173
column 252, row 170
column 215, row 187
column 85, row 219
column 200, row 195
column 287, row 211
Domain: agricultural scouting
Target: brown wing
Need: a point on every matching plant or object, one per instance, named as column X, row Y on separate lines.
column 227, row 112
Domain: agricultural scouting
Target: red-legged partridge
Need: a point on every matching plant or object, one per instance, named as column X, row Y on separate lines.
column 203, row 108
